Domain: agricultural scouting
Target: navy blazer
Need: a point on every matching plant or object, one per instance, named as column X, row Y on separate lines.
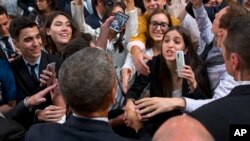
column 93, row 20
column 218, row 115
column 12, row 126
column 10, row 130
column 74, row 129
column 23, row 78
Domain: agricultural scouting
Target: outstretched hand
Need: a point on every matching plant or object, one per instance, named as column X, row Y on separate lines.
column 138, row 59
column 38, row 98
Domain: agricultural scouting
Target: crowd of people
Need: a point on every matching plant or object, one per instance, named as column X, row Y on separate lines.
column 66, row 75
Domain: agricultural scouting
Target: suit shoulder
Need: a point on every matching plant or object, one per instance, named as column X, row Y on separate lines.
column 41, row 130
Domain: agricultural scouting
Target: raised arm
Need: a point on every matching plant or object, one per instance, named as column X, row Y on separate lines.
column 203, row 21
column 77, row 9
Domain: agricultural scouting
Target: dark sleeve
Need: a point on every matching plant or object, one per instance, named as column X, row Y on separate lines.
column 21, row 4
column 141, row 81
column 11, row 131
column 22, row 115
column 196, row 94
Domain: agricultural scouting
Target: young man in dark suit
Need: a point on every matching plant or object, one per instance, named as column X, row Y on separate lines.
column 89, row 89
column 32, row 65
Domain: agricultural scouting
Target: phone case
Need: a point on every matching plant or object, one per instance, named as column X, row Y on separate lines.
column 180, row 61
column 119, row 21
column 51, row 66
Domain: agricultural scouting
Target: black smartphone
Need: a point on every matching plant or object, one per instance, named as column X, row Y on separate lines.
column 119, row 21
column 10, row 53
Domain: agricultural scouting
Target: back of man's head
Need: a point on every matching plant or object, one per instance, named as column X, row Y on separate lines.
column 182, row 128
column 18, row 24
column 87, row 81
column 237, row 40
column 234, row 11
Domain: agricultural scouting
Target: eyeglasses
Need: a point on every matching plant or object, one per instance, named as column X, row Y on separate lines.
column 155, row 24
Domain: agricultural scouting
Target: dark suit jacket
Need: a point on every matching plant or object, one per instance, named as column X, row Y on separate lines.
column 142, row 81
column 93, row 20
column 23, row 78
column 22, row 115
column 232, row 109
column 12, row 126
column 74, row 129
column 10, row 130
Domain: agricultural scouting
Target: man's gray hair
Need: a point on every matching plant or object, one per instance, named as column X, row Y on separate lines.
column 85, row 79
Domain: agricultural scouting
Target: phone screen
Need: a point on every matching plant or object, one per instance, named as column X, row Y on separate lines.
column 119, row 21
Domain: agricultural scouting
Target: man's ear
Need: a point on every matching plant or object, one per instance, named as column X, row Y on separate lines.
column 221, row 31
column 235, row 61
column 113, row 95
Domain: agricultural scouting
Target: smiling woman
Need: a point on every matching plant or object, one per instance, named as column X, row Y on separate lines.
column 59, row 29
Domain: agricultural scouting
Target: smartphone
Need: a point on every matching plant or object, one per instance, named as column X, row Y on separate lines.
column 119, row 21
column 180, row 61
column 50, row 67
column 10, row 53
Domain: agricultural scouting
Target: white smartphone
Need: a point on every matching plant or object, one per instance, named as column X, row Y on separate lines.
column 180, row 61
column 50, row 67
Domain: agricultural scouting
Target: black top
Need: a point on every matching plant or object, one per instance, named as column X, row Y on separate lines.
column 141, row 81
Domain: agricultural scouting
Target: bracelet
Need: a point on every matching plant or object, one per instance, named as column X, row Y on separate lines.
column 25, row 102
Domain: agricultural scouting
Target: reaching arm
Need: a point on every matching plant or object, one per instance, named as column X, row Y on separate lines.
column 203, row 21
column 78, row 16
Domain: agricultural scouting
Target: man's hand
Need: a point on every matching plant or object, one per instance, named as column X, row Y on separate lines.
column 132, row 118
column 196, row 3
column 51, row 113
column 47, row 77
column 78, row 2
column 102, row 39
column 38, row 98
column 138, row 58
column 130, row 4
